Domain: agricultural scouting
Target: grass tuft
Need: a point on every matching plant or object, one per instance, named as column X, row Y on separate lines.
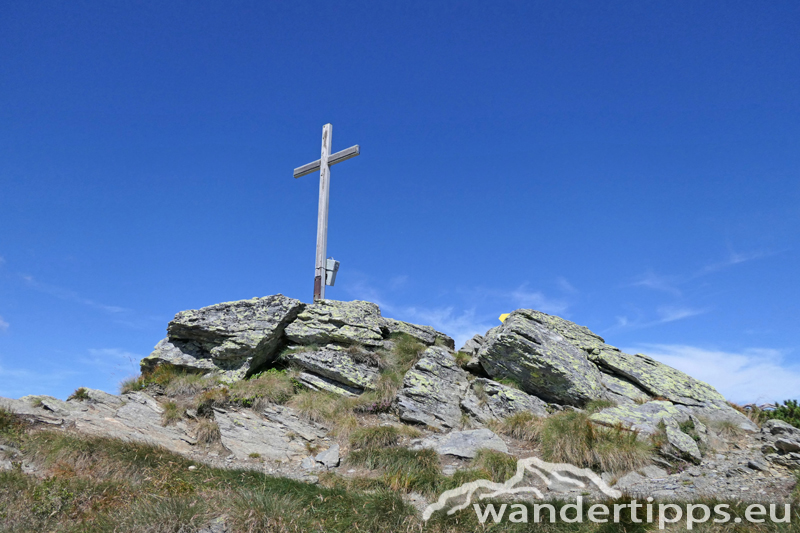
column 570, row 437
column 207, row 431
column 273, row 386
column 171, row 414
column 80, row 394
column 523, row 426
column 375, row 437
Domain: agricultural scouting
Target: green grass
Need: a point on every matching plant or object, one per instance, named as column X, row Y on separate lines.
column 403, row 469
column 523, row 426
column 171, row 414
column 80, row 394
column 102, row 485
column 377, row 436
column 462, row 358
column 273, row 386
column 570, row 437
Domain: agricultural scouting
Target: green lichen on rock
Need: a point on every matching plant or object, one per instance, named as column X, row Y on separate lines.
column 432, row 390
column 336, row 364
column 534, row 355
column 231, row 338
column 644, row 418
column 331, row 321
column 656, row 378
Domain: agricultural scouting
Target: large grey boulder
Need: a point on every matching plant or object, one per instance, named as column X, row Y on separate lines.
column 245, row 434
column 488, row 400
column 338, row 365
column 425, row 334
column 647, row 374
column 232, row 338
column 783, row 439
column 644, row 418
column 464, row 444
column 473, row 345
column 332, row 321
column 529, row 352
column 432, row 390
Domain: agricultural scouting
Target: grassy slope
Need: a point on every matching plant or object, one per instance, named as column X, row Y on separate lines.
column 96, row 484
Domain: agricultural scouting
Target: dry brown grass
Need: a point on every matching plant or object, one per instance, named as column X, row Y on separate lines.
column 523, row 426
column 207, row 431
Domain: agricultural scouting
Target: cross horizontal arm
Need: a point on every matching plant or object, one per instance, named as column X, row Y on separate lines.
column 338, row 157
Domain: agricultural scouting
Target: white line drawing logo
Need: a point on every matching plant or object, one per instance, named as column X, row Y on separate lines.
column 548, row 472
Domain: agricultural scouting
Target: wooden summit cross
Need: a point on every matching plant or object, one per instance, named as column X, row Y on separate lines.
column 323, row 164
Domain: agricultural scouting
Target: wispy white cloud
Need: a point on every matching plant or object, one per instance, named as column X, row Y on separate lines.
column 733, row 258
column 461, row 326
column 523, row 297
column 671, row 314
column 66, row 294
column 114, row 361
column 3, row 325
column 751, row 375
column 16, row 382
column 397, row 282
column 2, row 260
column 665, row 314
column 651, row 280
column 565, row 285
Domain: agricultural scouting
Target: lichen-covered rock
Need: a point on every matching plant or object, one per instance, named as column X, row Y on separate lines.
column 425, row 334
column 621, row 391
column 233, row 338
column 644, row 418
column 654, row 378
column 330, row 321
column 526, row 350
column 464, row 444
column 336, row 364
column 681, row 444
column 488, row 400
column 654, row 417
column 472, row 346
column 432, row 390
column 245, row 433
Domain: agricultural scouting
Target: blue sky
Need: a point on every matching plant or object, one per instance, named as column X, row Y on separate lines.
column 631, row 166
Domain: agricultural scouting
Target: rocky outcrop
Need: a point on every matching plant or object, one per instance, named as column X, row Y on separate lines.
column 348, row 367
column 425, row 334
column 232, row 338
column 438, row 393
column 464, row 444
column 645, row 373
column 781, row 443
column 528, row 352
column 488, row 400
column 330, row 321
column 432, row 391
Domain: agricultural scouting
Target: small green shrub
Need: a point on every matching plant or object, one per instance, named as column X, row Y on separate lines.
column 598, row 405
column 80, row 394
column 406, row 349
column 510, row 382
column 132, row 384
column 789, row 412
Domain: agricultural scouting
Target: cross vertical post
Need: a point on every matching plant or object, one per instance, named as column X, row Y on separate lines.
column 323, row 164
column 322, row 215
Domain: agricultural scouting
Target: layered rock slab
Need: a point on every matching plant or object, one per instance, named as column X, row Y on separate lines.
column 232, row 338
column 432, row 390
column 527, row 351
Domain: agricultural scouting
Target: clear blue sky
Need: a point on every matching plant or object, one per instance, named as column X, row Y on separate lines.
column 631, row 166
